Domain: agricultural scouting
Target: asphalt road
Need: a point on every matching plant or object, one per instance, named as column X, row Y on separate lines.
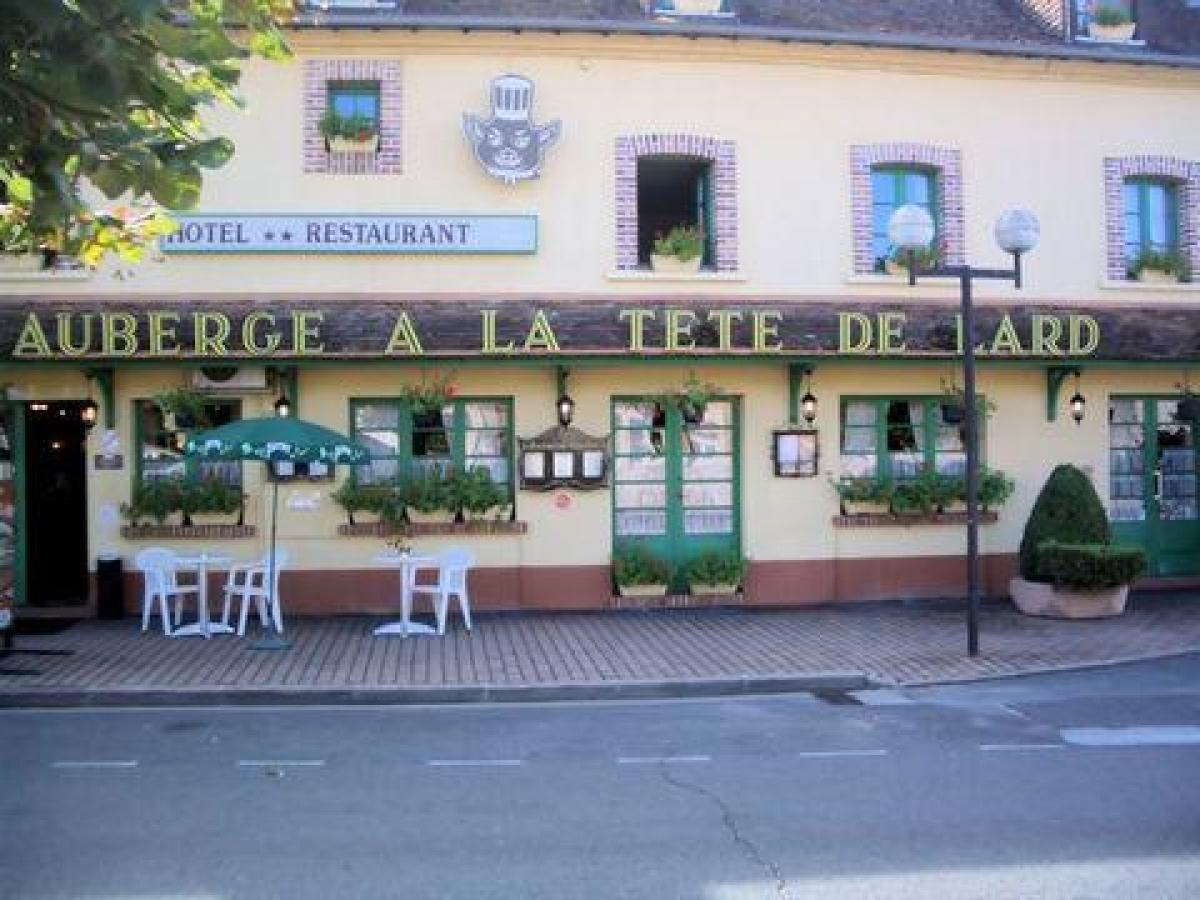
column 1081, row 785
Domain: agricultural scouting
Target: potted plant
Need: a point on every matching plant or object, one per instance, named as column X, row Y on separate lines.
column 1069, row 567
column 209, row 501
column 156, row 500
column 430, row 395
column 691, row 398
column 349, row 134
column 20, row 250
column 716, row 574
column 1160, row 267
column 863, row 496
column 182, row 409
column 994, row 488
column 925, row 258
column 1111, row 22
column 479, row 497
column 429, row 498
column 370, row 502
column 697, row 7
column 639, row 573
column 680, row 250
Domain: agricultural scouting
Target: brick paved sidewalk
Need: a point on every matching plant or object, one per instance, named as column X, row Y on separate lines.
column 886, row 643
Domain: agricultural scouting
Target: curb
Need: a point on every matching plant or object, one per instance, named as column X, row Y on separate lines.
column 50, row 698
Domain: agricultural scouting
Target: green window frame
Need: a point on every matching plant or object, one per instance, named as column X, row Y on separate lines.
column 150, row 434
column 892, row 187
column 354, row 99
column 892, row 438
column 1151, row 216
column 405, row 442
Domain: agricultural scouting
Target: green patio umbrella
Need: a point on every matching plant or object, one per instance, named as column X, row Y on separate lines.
column 276, row 438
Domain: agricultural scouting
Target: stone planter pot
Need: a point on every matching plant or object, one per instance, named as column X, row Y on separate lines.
column 1037, row 599
column 891, row 267
column 1157, row 276
column 866, row 509
column 714, row 590
column 672, row 265
column 364, row 517
column 433, row 517
column 697, row 7
column 22, row 262
column 354, row 145
column 211, row 518
column 495, row 514
column 1122, row 32
column 642, row 590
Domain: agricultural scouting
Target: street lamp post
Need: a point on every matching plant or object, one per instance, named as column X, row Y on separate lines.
column 911, row 229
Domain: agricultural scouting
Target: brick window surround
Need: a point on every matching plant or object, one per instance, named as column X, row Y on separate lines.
column 1185, row 174
column 723, row 157
column 317, row 75
column 948, row 166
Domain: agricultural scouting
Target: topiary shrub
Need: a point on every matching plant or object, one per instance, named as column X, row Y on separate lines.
column 1090, row 567
column 1069, row 511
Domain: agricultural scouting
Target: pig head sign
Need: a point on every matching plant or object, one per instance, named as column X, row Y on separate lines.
column 509, row 145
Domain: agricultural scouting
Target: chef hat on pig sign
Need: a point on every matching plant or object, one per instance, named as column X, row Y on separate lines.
column 512, row 97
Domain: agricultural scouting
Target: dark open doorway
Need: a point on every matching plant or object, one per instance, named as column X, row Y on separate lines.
column 56, row 507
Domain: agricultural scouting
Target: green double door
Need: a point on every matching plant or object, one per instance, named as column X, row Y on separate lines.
column 1152, row 482
column 675, row 483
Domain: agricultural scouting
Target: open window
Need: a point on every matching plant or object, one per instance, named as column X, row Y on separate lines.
column 674, row 192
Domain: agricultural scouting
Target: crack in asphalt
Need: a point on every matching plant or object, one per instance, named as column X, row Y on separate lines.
column 749, row 849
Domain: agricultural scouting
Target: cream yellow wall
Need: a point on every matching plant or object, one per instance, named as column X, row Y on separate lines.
column 783, row 519
column 1032, row 133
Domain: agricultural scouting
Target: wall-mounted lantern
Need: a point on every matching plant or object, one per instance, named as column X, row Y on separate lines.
column 1078, row 402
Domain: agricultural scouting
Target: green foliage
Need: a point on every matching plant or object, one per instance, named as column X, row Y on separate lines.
column 928, row 257
column 635, row 565
column 1170, row 261
column 475, row 491
column 713, row 567
column 429, row 492
column 682, row 242
column 994, row 488
column 159, row 498
column 355, row 128
column 110, row 94
column 863, row 490
column 381, row 499
column 431, row 394
column 153, row 500
column 15, row 234
column 691, row 397
column 1089, row 567
column 1109, row 15
column 1067, row 510
column 187, row 406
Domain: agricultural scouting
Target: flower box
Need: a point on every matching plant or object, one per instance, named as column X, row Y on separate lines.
column 21, row 262
column 642, row 590
column 714, row 590
column 368, row 144
column 1157, row 276
column 674, row 265
column 435, row 516
column 1116, row 33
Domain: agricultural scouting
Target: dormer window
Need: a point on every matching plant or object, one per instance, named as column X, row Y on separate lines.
column 679, row 8
column 1105, row 20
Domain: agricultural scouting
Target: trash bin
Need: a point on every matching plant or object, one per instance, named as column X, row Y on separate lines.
column 110, row 588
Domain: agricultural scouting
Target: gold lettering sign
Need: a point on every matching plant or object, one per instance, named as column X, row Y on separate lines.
column 560, row 329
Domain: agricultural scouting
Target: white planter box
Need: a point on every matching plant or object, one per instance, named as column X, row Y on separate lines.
column 351, row 145
column 642, row 590
column 21, row 262
column 1036, row 599
column 437, row 516
column 661, row 263
column 714, row 590
column 1157, row 276
column 1122, row 32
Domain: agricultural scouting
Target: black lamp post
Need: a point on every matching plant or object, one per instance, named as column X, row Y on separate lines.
column 911, row 229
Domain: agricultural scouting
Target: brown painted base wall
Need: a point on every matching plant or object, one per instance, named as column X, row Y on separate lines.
column 779, row 583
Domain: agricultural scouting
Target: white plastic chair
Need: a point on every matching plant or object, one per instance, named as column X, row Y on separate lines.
column 453, row 566
column 249, row 582
column 160, row 583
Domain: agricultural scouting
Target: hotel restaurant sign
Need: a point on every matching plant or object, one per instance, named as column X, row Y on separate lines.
column 402, row 328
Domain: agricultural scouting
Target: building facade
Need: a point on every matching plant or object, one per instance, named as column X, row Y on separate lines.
column 440, row 221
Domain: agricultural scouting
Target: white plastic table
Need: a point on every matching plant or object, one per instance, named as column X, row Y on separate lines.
column 203, row 626
column 408, row 564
